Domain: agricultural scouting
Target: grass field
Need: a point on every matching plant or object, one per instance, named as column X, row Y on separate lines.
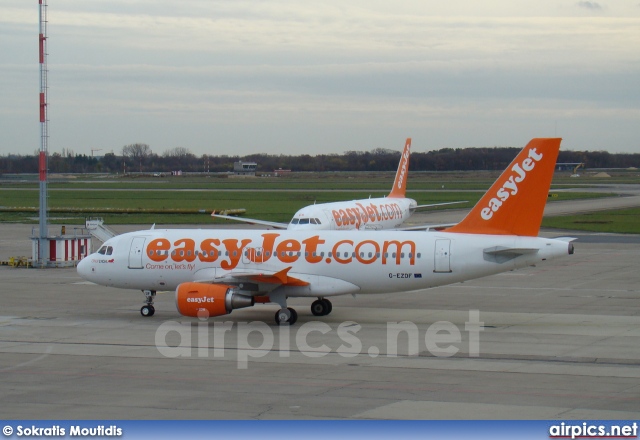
column 181, row 207
column 624, row 221
column 177, row 200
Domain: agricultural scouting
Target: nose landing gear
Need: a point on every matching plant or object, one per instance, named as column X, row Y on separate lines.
column 148, row 309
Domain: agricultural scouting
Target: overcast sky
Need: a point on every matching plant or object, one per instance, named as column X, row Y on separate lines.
column 290, row 76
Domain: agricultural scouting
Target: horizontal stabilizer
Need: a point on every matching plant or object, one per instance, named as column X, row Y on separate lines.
column 502, row 254
column 566, row 239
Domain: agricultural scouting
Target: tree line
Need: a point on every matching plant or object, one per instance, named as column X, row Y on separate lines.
column 139, row 158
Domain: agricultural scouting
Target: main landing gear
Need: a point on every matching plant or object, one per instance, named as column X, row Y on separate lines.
column 321, row 307
column 288, row 316
column 148, row 309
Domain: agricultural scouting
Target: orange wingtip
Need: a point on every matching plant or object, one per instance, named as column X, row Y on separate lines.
column 399, row 188
column 515, row 202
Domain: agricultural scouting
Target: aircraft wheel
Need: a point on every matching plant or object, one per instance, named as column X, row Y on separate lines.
column 283, row 316
column 329, row 306
column 321, row 307
column 286, row 316
column 147, row 311
column 318, row 308
column 294, row 316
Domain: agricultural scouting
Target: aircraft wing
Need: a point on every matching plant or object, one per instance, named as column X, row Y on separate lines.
column 440, row 204
column 269, row 280
column 425, row 227
column 280, row 278
column 252, row 221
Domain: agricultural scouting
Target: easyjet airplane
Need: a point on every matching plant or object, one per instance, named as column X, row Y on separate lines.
column 215, row 271
column 366, row 214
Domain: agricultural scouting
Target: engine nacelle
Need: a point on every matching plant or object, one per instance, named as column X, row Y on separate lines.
column 216, row 299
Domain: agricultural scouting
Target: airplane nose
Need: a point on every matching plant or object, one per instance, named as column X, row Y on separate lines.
column 84, row 268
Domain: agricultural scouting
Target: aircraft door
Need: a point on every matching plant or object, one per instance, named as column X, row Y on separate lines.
column 442, row 262
column 135, row 253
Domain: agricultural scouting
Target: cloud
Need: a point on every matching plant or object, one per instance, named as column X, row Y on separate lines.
column 592, row 6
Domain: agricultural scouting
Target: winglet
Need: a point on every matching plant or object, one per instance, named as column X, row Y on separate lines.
column 515, row 202
column 282, row 275
column 399, row 188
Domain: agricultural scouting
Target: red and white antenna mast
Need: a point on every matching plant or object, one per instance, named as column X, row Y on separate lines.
column 44, row 137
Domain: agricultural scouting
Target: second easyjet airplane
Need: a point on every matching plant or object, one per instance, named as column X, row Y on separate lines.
column 366, row 214
column 216, row 271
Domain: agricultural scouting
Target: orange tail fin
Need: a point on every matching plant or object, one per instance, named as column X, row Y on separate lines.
column 399, row 188
column 515, row 202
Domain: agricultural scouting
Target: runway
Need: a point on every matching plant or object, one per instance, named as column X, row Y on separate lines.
column 557, row 341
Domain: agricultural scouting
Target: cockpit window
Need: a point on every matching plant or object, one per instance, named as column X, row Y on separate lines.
column 304, row 221
column 318, row 222
column 294, row 221
column 105, row 250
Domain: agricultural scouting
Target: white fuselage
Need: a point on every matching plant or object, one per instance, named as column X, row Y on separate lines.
column 366, row 214
column 332, row 263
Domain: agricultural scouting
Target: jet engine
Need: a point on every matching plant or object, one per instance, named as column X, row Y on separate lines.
column 196, row 299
